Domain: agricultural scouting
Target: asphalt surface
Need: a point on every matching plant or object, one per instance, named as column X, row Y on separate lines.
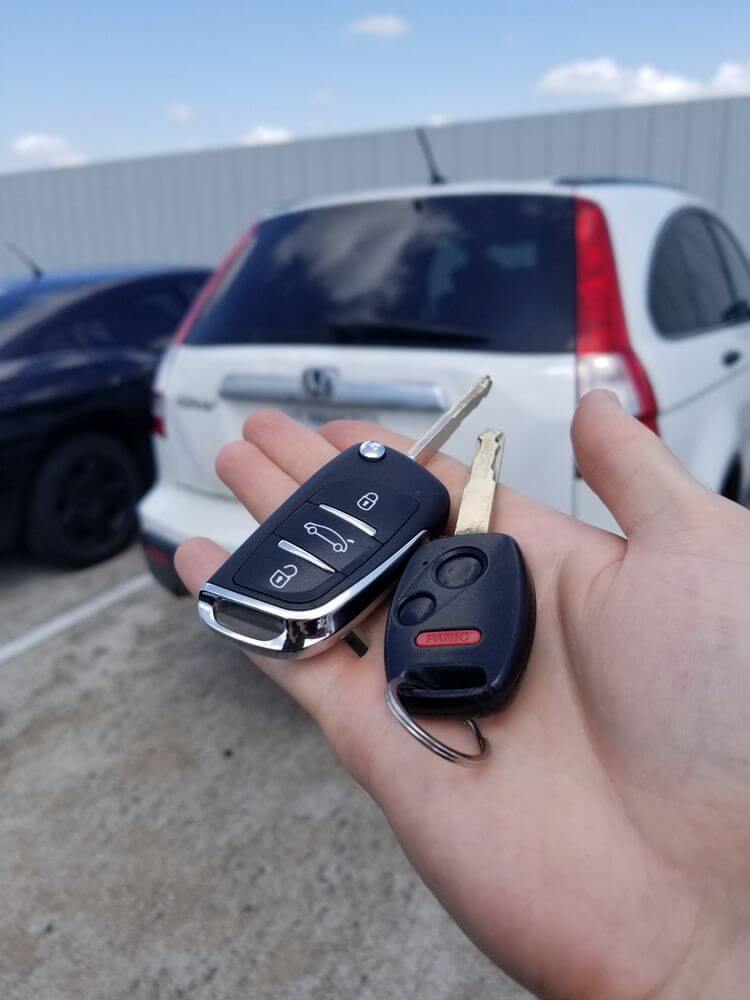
column 172, row 825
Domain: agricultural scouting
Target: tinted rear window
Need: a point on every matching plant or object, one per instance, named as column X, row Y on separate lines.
column 489, row 272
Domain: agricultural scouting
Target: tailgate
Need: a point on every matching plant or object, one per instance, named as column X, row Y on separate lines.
column 211, row 390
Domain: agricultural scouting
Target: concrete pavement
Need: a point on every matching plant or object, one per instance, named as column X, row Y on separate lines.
column 173, row 826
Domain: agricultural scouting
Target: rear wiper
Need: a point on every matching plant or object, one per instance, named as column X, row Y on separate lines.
column 394, row 334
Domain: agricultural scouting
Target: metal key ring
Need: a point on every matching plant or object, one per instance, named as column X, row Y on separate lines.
column 393, row 700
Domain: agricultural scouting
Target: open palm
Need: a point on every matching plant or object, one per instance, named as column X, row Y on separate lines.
column 603, row 850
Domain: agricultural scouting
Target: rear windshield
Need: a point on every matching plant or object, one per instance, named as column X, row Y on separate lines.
column 484, row 272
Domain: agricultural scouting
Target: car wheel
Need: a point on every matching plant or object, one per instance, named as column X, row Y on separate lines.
column 82, row 507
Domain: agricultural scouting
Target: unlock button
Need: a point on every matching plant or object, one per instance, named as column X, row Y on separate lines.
column 286, row 577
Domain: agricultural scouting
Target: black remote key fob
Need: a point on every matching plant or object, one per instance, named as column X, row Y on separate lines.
column 331, row 552
column 461, row 626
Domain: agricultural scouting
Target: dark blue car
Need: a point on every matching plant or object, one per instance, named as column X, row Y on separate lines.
column 77, row 353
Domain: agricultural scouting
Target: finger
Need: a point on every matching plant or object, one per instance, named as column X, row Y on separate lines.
column 629, row 468
column 254, row 478
column 196, row 560
column 296, row 449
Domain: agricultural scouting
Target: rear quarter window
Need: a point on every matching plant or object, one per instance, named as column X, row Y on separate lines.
column 736, row 263
column 143, row 315
column 689, row 288
column 484, row 272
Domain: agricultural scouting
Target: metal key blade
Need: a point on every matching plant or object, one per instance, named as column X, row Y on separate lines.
column 434, row 438
column 475, row 510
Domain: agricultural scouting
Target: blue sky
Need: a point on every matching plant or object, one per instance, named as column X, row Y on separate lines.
column 89, row 81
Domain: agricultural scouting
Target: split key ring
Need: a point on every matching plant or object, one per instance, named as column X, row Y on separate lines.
column 393, row 700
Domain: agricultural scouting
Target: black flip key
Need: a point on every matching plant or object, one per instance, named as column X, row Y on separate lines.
column 331, row 551
column 462, row 619
column 334, row 549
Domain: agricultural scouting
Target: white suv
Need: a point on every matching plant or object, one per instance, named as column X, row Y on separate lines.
column 388, row 305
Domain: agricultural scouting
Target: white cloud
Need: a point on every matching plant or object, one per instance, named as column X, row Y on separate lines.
column 180, row 112
column 265, row 135
column 381, row 26
column 634, row 85
column 47, row 149
column 608, row 78
column 438, row 120
column 732, row 78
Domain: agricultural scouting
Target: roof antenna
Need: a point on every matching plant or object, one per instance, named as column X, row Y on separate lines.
column 435, row 176
column 25, row 259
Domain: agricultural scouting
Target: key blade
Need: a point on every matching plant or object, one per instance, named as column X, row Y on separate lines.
column 475, row 511
column 435, row 437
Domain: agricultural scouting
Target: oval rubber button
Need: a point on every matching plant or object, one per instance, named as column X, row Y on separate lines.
column 416, row 609
column 449, row 637
column 459, row 570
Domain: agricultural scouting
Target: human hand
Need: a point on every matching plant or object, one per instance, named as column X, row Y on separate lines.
column 603, row 850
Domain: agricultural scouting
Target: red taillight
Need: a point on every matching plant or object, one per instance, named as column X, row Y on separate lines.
column 190, row 319
column 211, row 285
column 605, row 358
column 157, row 414
column 158, row 555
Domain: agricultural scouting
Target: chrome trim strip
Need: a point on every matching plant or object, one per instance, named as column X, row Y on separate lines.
column 355, row 522
column 295, row 550
column 426, row 397
column 263, row 388
column 278, row 611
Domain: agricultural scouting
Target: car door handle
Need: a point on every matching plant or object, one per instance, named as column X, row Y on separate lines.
column 731, row 357
column 323, row 385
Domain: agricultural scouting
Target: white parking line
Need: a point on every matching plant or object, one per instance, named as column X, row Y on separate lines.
column 70, row 618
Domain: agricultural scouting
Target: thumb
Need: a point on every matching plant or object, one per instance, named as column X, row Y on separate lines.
column 629, row 468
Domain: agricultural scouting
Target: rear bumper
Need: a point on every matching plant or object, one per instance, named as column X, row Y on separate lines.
column 18, row 462
column 160, row 560
column 172, row 513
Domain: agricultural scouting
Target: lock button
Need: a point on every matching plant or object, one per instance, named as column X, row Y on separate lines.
column 382, row 507
column 280, row 574
column 368, row 500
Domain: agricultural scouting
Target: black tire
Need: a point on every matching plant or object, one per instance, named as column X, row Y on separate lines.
column 82, row 506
